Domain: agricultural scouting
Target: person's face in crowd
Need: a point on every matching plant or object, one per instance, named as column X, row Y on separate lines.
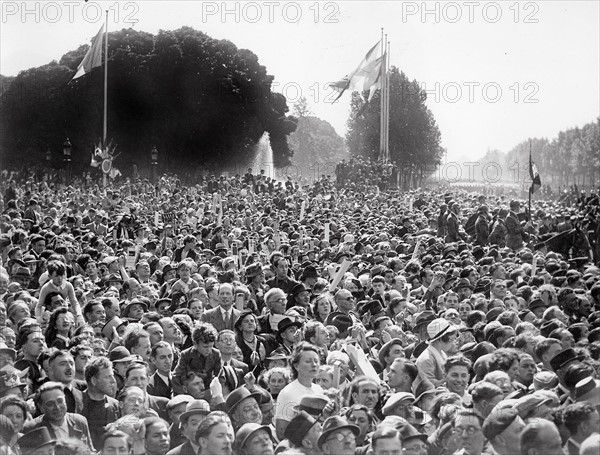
column 225, row 296
column 98, row 314
column 463, row 311
column 133, row 403
column 204, row 348
column 361, row 420
column 143, row 348
column 457, row 379
column 567, row 340
column 191, row 425
column 323, row 308
column 277, row 303
column 324, row 379
column 341, row 442
column 134, row 287
column 113, row 310
column 57, row 280
column 16, row 416
column 527, row 369
column 21, row 312
column 451, row 300
column 464, row 294
column 82, row 359
column 105, row 382
column 218, row 441
column 196, row 309
column 143, row 270
column 171, row 330
column 308, row 365
column 175, row 413
column 248, row 411
column 378, row 288
column 226, row 342
column 395, row 352
column 503, row 381
column 62, row 369
column 115, row 446
column 169, row 275
column 303, row 299
column 64, row 322
column 136, row 312
column 452, row 316
column 469, row 433
column 195, row 387
column 260, row 443
column 387, row 446
column 54, row 405
column 345, row 300
column 163, row 360
column 276, row 383
column 511, row 304
column 39, row 246
column 368, row 394
column 585, row 306
column 157, row 439
column 513, row 371
column 156, row 333
column 91, row 270
column 397, row 378
column 248, row 324
column 290, row 335
column 499, row 273
column 499, row 290
column 137, row 377
column 321, row 336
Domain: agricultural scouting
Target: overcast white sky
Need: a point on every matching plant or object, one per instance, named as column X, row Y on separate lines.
column 497, row 72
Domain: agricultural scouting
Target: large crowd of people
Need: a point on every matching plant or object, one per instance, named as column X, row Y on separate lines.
column 241, row 315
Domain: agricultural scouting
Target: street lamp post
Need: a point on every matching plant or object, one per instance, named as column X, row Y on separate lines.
column 67, row 159
column 154, row 163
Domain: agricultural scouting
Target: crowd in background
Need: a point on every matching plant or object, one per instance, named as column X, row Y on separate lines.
column 242, row 315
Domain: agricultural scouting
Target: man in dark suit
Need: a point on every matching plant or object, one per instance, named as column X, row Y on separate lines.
column 224, row 316
column 233, row 369
column 50, row 399
column 96, row 226
column 187, row 250
column 159, row 383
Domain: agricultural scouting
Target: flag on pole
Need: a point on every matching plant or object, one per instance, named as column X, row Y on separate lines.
column 536, row 182
column 364, row 76
column 93, row 57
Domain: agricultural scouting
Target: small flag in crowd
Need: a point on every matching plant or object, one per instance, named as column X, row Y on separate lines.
column 93, row 57
column 536, row 182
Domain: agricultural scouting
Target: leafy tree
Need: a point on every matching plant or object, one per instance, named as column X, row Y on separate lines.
column 197, row 99
column 414, row 138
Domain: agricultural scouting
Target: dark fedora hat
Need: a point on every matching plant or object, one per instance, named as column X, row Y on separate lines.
column 35, row 439
column 286, row 323
column 299, row 426
column 238, row 395
column 333, row 424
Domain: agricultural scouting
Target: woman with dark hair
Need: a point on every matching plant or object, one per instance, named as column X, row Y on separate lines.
column 60, row 328
column 252, row 346
column 304, row 363
column 16, row 411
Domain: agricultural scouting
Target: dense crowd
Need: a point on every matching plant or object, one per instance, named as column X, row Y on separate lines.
column 247, row 316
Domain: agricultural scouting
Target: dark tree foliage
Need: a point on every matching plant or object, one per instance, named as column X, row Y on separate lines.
column 414, row 138
column 197, row 99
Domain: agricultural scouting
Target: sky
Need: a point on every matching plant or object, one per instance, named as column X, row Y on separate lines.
column 496, row 73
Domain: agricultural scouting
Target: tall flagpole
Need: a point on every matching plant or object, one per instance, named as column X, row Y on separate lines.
column 382, row 104
column 531, row 187
column 387, row 103
column 105, row 120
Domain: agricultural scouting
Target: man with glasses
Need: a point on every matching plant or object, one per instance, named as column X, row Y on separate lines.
column 346, row 303
column 338, row 437
column 468, row 430
column 276, row 301
column 50, row 400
